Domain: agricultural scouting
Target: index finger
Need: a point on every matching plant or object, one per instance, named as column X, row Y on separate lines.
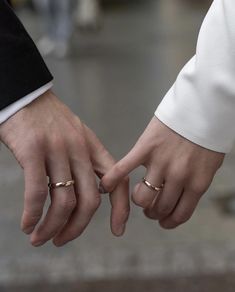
column 121, row 170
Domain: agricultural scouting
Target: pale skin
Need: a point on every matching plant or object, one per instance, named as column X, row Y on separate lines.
column 49, row 141
column 186, row 169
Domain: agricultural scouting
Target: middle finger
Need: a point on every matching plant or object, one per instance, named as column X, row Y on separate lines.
column 88, row 198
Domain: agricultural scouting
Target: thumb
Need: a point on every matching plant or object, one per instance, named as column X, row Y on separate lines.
column 121, row 169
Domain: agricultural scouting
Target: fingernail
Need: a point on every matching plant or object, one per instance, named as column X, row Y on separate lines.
column 37, row 243
column 102, row 189
column 28, row 230
column 149, row 214
column 121, row 230
column 59, row 244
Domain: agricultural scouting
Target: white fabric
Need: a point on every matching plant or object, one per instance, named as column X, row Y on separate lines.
column 201, row 104
column 10, row 110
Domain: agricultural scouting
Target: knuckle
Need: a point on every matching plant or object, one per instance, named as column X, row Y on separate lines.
column 178, row 173
column 109, row 183
column 36, row 196
column 81, row 142
column 199, row 188
column 93, row 204
column 126, row 180
column 38, row 138
column 119, row 168
column 164, row 210
column 35, row 139
column 76, row 141
column 57, row 141
column 140, row 200
column 68, row 205
column 177, row 177
column 106, row 184
column 40, row 193
column 30, row 219
column 101, row 150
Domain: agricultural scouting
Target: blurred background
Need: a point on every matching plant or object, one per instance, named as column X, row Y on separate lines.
column 113, row 61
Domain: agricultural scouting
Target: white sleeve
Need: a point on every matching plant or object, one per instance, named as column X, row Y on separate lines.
column 201, row 104
column 10, row 110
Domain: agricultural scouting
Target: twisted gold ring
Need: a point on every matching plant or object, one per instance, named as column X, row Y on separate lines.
column 61, row 184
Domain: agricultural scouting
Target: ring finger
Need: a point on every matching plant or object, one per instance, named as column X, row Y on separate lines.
column 166, row 201
column 88, row 201
column 63, row 200
column 144, row 194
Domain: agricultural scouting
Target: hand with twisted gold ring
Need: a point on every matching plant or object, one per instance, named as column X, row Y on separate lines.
column 48, row 140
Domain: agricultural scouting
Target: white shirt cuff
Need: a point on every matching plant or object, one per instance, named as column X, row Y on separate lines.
column 10, row 110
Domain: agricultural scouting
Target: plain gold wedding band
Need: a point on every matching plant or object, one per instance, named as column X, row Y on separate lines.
column 152, row 187
column 61, row 184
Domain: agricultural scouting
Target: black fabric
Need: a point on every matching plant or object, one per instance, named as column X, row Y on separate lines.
column 22, row 69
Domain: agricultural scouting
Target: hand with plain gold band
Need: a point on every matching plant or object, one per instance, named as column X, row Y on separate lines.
column 181, row 168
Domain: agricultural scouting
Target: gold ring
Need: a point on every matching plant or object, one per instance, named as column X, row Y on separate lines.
column 61, row 184
column 152, row 187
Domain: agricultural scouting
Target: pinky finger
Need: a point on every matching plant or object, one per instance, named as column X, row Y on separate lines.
column 119, row 197
column 120, row 203
column 183, row 211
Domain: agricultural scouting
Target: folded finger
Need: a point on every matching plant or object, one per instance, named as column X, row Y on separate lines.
column 183, row 211
column 166, row 202
column 144, row 193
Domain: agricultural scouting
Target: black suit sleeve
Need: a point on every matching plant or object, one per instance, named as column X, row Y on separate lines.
column 22, row 69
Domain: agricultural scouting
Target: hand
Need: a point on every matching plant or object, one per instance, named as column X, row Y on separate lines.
column 47, row 139
column 185, row 168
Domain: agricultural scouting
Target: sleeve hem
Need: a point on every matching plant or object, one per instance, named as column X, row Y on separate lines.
column 201, row 141
column 13, row 108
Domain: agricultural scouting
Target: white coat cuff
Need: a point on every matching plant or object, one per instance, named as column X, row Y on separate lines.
column 189, row 125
